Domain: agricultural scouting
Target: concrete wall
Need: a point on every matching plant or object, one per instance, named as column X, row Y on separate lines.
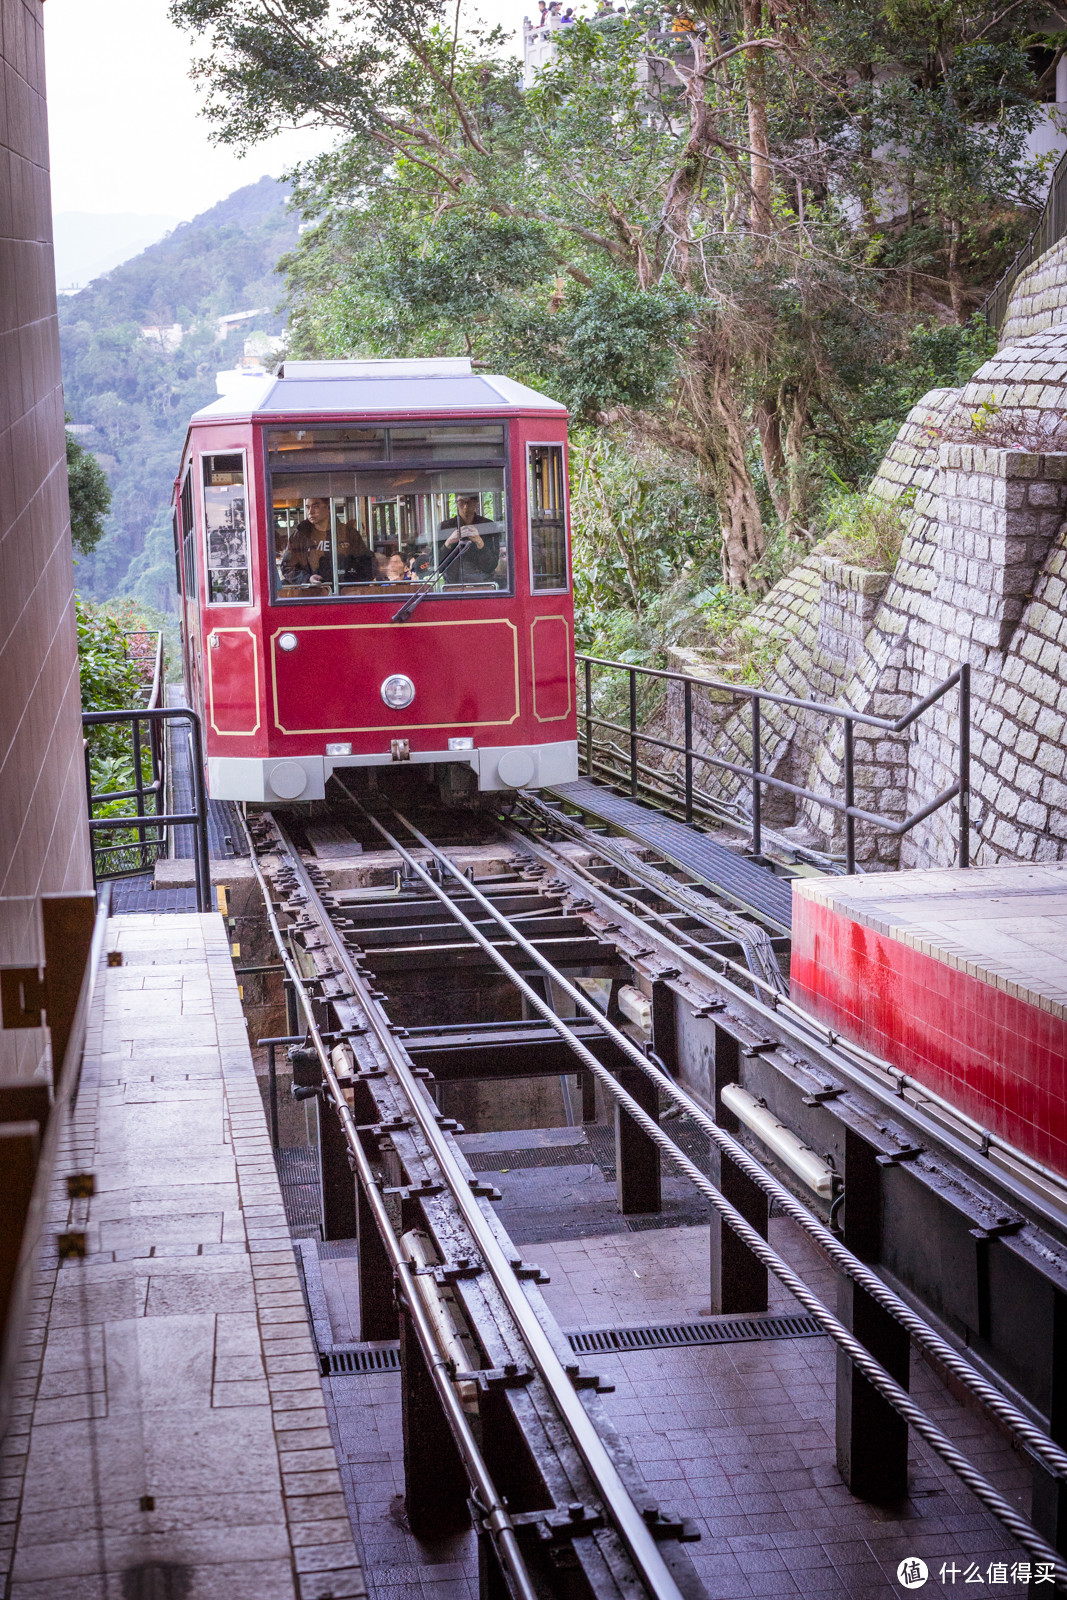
column 43, row 835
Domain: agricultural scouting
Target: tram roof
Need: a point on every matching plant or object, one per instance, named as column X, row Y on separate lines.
column 370, row 387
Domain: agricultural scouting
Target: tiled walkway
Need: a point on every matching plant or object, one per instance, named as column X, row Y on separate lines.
column 173, row 1441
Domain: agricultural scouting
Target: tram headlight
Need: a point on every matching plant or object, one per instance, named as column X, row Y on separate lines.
column 287, row 641
column 398, row 691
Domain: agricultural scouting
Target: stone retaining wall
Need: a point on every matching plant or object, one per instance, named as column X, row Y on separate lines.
column 981, row 577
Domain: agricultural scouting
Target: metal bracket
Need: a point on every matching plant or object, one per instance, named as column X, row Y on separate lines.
column 425, row 1189
column 449, row 1124
column 394, row 1125
column 588, row 1380
column 526, row 1269
column 22, row 997
column 559, row 1527
column 893, row 1157
column 999, row 1229
column 510, row 1376
column 710, row 1009
column 662, row 1525
column 484, row 1191
column 760, row 1047
column 819, row 1097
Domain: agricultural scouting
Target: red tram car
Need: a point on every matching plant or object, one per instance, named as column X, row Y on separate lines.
column 373, row 566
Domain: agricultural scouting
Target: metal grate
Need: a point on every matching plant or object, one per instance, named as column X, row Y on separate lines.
column 382, row 1359
column 562, row 1155
column 752, row 886
column 298, row 1175
column 609, row 1341
column 670, row 1336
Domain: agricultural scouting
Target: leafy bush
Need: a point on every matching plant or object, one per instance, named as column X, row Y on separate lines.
column 866, row 530
column 116, row 675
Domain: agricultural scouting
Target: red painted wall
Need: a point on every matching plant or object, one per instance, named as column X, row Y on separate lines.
column 1000, row 1059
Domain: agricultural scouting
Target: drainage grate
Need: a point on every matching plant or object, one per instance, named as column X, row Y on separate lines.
column 560, row 1155
column 381, row 1359
column 670, row 1336
column 611, row 1341
column 298, row 1175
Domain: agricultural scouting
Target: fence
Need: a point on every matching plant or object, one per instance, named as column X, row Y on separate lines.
column 1051, row 227
column 146, row 828
column 639, row 776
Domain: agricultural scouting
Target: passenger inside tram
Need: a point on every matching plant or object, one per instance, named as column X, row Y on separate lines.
column 431, row 494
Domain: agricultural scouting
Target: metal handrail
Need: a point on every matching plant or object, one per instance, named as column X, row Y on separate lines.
column 758, row 779
column 141, row 820
column 1051, row 227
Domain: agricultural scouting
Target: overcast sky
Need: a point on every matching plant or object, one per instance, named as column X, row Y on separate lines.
column 123, row 116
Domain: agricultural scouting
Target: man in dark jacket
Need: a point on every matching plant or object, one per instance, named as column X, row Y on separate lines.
column 481, row 551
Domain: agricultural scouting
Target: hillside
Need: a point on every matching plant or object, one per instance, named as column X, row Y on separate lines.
column 141, row 348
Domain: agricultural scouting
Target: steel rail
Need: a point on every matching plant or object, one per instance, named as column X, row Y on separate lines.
column 872, row 1370
column 630, row 1525
column 1051, row 1456
column 807, row 1032
column 497, row 1521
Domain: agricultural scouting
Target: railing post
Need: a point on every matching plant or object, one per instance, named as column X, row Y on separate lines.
column 138, row 784
column 633, row 734
column 757, row 802
column 688, row 692
column 588, row 717
column 965, row 765
column 850, row 799
column 89, row 800
column 272, row 1081
column 200, row 848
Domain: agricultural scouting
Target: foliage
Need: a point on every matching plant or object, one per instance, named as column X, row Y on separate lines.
column 123, row 376
column 90, row 497
column 865, row 529
column 739, row 246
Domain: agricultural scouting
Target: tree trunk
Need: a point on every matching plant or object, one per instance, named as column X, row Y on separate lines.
column 955, row 285
column 744, row 537
column 769, row 422
column 759, row 215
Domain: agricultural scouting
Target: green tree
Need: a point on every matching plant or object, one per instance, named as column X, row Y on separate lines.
column 712, row 242
column 90, row 496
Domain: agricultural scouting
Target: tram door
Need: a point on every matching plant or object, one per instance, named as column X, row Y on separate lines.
column 194, row 681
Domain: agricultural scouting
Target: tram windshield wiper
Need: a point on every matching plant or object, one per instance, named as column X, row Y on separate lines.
column 430, row 579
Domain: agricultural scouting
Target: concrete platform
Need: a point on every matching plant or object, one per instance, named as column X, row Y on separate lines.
column 173, row 1438
column 958, row 978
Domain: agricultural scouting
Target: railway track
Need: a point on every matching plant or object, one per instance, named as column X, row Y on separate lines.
column 487, row 1375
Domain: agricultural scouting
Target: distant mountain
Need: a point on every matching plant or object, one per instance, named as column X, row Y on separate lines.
column 88, row 244
column 141, row 347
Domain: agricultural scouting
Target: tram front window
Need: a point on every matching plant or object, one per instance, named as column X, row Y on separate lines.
column 375, row 530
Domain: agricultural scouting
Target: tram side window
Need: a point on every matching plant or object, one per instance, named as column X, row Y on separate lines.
column 548, row 526
column 176, row 525
column 226, row 530
column 188, row 537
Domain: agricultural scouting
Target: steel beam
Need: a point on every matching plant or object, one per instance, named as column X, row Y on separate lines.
column 872, row 1438
column 738, row 1280
column 637, row 1162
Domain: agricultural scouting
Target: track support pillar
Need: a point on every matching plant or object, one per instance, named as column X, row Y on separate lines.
column 1048, row 1509
column 377, row 1301
column 335, row 1176
column 872, row 1438
column 435, row 1483
column 637, row 1168
column 738, row 1280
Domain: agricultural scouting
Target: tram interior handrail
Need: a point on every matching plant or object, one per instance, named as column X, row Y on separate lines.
column 758, row 779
